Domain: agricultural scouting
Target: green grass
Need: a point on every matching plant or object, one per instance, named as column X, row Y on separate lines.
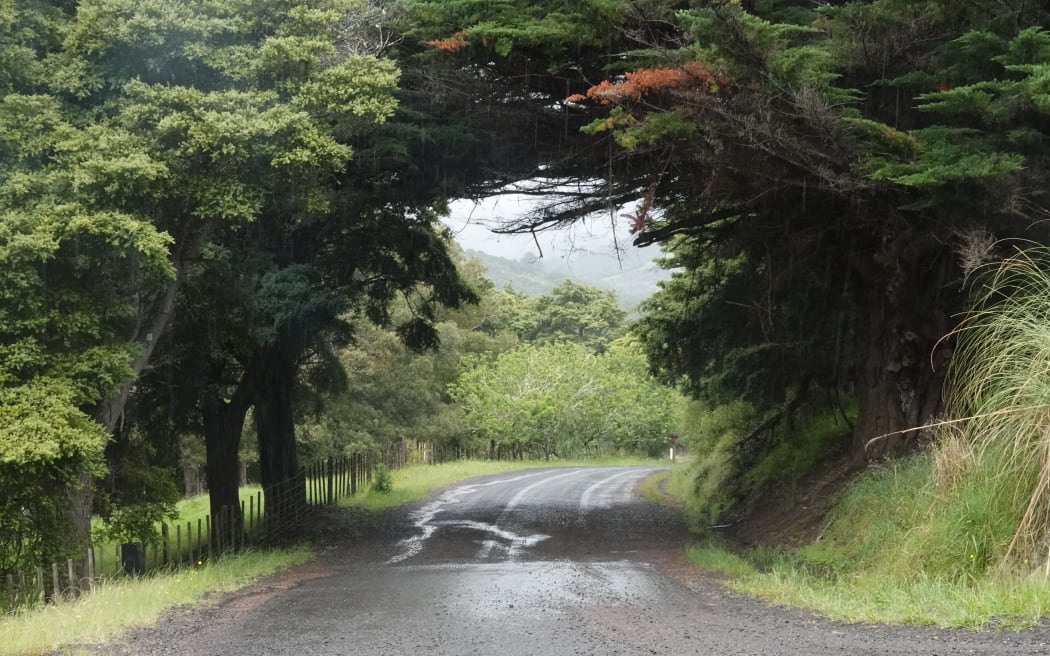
column 668, row 488
column 198, row 507
column 721, row 561
column 123, row 604
column 791, row 460
column 652, row 488
column 418, row 481
column 896, row 550
column 1011, row 602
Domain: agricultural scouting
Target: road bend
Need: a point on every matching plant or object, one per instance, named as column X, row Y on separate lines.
column 558, row 561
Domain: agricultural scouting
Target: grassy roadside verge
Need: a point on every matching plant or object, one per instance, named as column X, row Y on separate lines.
column 883, row 559
column 669, row 487
column 785, row 578
column 417, row 481
column 123, row 604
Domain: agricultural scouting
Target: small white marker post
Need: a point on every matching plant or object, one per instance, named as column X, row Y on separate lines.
column 674, row 441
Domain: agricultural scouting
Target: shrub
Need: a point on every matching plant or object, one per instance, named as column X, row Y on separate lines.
column 382, row 480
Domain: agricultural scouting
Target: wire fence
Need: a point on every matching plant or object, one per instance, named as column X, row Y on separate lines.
column 260, row 519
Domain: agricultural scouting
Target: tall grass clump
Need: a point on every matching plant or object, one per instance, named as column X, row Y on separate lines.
column 994, row 458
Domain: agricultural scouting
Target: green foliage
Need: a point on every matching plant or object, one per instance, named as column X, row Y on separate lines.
column 654, row 128
column 554, row 32
column 393, row 392
column 137, row 494
column 868, row 526
column 789, row 461
column 577, row 313
column 710, row 328
column 559, row 399
column 710, row 434
column 136, row 523
column 46, row 445
column 382, row 480
column 719, row 560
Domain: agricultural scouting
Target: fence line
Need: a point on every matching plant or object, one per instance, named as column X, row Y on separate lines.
column 191, row 543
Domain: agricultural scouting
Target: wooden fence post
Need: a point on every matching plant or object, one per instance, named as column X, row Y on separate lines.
column 165, row 545
column 72, row 577
column 331, row 481
column 41, row 594
column 89, row 565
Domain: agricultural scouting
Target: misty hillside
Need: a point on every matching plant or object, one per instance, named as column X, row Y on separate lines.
column 633, row 278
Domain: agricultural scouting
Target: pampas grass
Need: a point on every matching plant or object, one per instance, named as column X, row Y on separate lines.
column 1000, row 383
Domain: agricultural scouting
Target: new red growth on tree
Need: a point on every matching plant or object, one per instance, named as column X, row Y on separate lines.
column 457, row 41
column 644, row 81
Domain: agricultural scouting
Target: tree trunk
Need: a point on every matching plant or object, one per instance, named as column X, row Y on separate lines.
column 77, row 514
column 903, row 315
column 80, row 498
column 223, row 423
column 284, row 489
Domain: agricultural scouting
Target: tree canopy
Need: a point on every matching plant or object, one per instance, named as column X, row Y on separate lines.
column 823, row 175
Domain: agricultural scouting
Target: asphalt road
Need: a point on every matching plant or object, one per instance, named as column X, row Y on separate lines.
column 550, row 561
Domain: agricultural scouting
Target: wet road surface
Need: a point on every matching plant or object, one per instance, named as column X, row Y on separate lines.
column 566, row 561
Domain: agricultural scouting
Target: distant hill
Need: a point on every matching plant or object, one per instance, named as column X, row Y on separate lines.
column 634, row 277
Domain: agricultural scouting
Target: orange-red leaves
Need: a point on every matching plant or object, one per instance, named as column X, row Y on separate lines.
column 640, row 83
column 640, row 216
column 457, row 41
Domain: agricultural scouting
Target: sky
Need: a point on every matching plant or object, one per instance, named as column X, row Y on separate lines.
column 471, row 224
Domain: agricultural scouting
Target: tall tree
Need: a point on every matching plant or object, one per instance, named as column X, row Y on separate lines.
column 580, row 313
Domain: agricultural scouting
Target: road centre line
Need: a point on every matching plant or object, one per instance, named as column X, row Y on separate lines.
column 585, row 499
column 516, row 499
